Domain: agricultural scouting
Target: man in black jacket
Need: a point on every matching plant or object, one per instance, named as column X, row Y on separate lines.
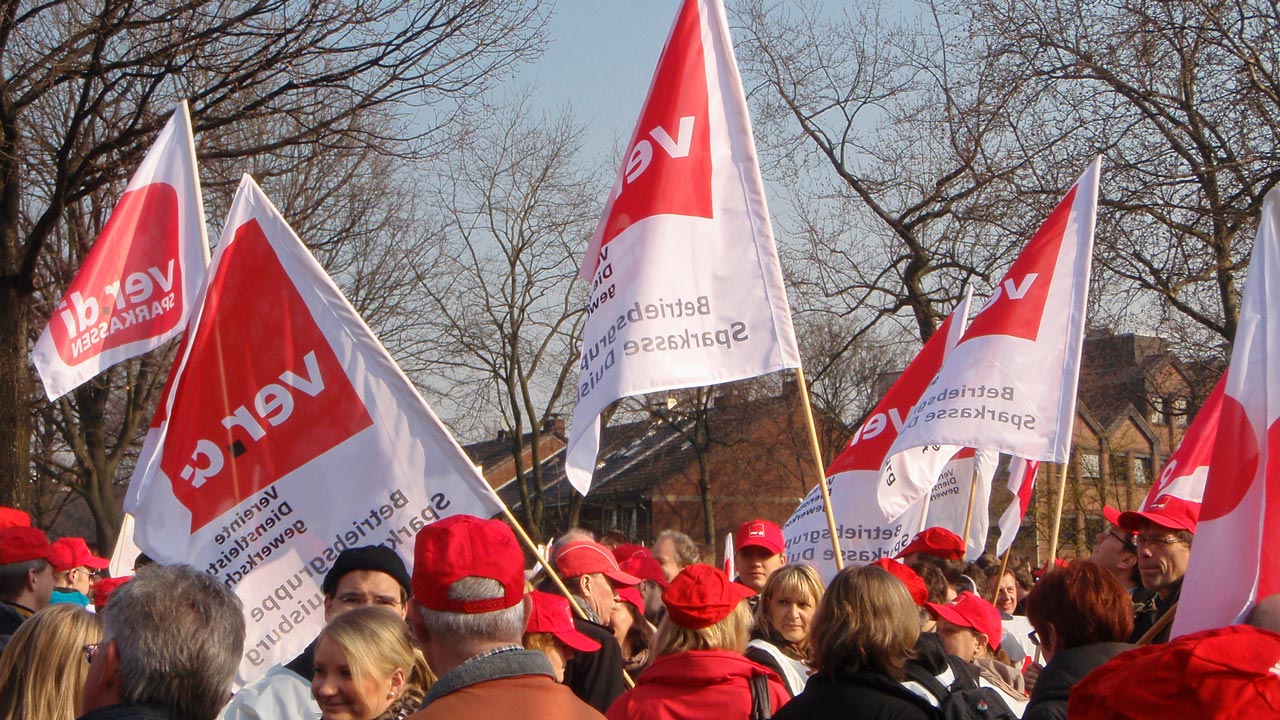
column 592, row 574
column 26, row 576
column 1164, row 531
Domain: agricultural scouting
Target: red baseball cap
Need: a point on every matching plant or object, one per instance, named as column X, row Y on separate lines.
column 105, row 588
column 20, row 544
column 632, row 595
column 1165, row 511
column 761, row 534
column 915, row 585
column 466, row 546
column 625, row 551
column 583, row 557
column 645, row 568
column 701, row 596
column 551, row 614
column 1111, row 514
column 1226, row 672
column 936, row 541
column 13, row 517
column 73, row 552
column 969, row 610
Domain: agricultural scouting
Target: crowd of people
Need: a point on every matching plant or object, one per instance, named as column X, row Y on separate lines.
column 633, row 632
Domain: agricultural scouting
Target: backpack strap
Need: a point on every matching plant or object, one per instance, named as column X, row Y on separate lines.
column 761, row 703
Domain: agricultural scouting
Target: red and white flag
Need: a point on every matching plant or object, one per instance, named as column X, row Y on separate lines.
column 853, row 476
column 686, row 289
column 1022, row 479
column 1010, row 384
column 1236, row 557
column 1185, row 473
column 134, row 290
column 286, row 435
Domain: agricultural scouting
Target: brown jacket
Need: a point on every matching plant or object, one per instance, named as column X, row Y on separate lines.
column 511, row 685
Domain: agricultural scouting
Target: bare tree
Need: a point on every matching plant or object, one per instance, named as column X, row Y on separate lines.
column 895, row 137
column 505, row 308
column 86, row 89
column 1182, row 98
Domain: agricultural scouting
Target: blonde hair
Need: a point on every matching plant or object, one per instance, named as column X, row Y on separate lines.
column 867, row 621
column 377, row 642
column 731, row 633
column 796, row 581
column 42, row 669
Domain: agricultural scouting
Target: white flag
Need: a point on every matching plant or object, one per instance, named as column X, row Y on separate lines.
column 288, row 434
column 1010, row 384
column 1236, row 556
column 135, row 288
column 1022, row 479
column 686, row 289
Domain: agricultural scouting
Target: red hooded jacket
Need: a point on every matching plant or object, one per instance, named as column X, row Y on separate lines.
column 696, row 685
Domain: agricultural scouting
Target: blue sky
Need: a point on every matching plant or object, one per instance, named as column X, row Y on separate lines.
column 600, row 60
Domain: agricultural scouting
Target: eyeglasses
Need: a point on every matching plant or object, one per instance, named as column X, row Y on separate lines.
column 89, row 651
column 1165, row 540
column 1034, row 637
column 1128, row 542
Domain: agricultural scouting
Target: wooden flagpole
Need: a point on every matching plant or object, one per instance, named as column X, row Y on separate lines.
column 551, row 571
column 1057, row 515
column 821, row 469
column 973, row 496
column 1004, row 565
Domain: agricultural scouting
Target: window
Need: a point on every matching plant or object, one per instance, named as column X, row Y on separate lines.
column 1090, row 466
column 1181, row 412
column 1140, row 469
column 1159, row 411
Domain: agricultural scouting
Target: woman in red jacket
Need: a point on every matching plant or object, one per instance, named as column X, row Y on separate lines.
column 699, row 672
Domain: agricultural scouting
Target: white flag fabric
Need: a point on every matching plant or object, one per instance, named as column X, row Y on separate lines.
column 135, row 288
column 686, row 289
column 948, row 505
column 288, row 434
column 864, row 534
column 1236, row 556
column 1022, row 480
column 1010, row 384
column 1187, row 469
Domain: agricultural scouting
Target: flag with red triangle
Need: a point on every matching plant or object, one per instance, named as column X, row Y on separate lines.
column 1010, row 384
column 287, row 434
column 135, row 288
column 1236, row 557
column 685, row 285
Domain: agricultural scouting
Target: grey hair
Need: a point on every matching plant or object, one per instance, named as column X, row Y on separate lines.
column 686, row 548
column 179, row 634
column 498, row 626
column 13, row 576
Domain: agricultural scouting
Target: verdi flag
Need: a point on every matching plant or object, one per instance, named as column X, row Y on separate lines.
column 852, row 477
column 135, row 288
column 1236, row 556
column 1010, row 384
column 287, row 434
column 686, row 289
column 1022, row 479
